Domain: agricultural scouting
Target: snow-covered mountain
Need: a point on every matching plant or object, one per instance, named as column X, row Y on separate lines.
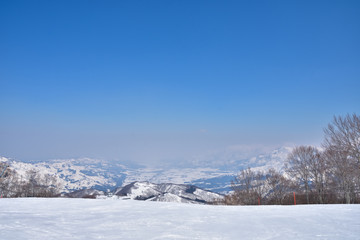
column 85, row 193
column 167, row 192
column 74, row 174
column 214, row 175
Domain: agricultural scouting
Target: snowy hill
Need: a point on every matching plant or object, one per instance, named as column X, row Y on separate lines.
column 167, row 192
column 213, row 172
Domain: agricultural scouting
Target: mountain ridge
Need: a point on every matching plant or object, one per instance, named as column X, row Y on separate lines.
column 167, row 192
column 83, row 173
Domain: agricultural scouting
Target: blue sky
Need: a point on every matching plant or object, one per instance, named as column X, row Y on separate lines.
column 150, row 81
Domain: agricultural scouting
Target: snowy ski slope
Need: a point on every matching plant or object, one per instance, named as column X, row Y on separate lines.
column 40, row 219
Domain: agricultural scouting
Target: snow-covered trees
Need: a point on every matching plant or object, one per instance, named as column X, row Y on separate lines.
column 33, row 184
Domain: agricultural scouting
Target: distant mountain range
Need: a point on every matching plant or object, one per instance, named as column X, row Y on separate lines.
column 214, row 175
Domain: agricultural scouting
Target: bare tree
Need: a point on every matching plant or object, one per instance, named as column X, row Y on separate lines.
column 278, row 187
column 243, row 189
column 318, row 169
column 342, row 143
column 259, row 186
column 250, row 187
column 343, row 135
column 298, row 166
column 343, row 174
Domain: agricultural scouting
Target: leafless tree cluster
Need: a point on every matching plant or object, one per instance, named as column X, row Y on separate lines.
column 342, row 155
column 328, row 176
column 32, row 185
column 308, row 169
column 258, row 187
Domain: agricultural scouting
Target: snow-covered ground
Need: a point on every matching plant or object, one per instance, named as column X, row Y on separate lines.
column 38, row 219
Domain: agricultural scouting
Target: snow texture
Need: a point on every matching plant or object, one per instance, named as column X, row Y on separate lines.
column 40, row 219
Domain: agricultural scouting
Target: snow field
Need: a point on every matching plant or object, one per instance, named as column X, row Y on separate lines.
column 36, row 218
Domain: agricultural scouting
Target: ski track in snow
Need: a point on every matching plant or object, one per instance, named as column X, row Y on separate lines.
column 36, row 218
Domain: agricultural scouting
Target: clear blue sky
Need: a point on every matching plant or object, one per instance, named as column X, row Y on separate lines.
column 164, row 80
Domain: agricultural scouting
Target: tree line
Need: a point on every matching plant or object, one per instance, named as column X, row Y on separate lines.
column 313, row 175
column 33, row 184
